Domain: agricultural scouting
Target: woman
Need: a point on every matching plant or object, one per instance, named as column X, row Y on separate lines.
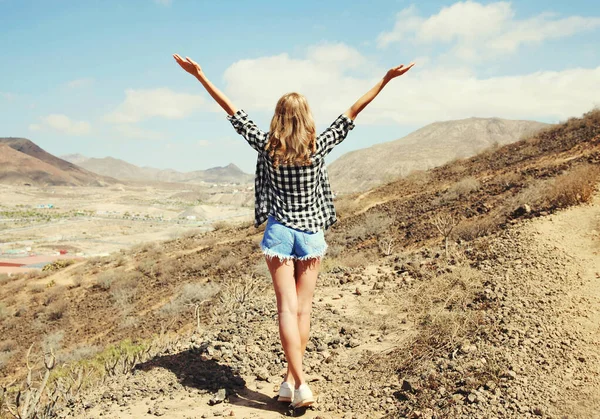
column 293, row 195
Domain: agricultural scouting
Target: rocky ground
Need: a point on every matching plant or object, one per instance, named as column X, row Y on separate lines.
column 534, row 353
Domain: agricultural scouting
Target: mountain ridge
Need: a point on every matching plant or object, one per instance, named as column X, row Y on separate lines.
column 24, row 162
column 124, row 170
column 424, row 148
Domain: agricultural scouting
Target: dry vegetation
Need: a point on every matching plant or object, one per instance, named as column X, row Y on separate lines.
column 88, row 313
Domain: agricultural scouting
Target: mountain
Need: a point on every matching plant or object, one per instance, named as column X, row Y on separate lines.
column 24, row 162
column 75, row 158
column 430, row 146
column 122, row 170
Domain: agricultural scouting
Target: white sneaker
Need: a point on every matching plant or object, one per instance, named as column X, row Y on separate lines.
column 303, row 397
column 286, row 392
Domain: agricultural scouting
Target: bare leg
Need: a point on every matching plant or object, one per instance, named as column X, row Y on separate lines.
column 306, row 273
column 284, row 283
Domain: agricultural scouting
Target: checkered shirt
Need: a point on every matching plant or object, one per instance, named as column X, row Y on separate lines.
column 299, row 197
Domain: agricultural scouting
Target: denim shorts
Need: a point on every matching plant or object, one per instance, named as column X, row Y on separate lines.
column 285, row 242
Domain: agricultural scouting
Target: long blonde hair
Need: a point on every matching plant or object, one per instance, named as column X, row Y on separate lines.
column 292, row 137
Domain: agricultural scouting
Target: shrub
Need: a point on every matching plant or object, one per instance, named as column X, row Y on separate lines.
column 574, row 187
column 335, row 250
column 123, row 298
column 418, row 177
column 81, row 352
column 465, row 186
column 478, row 227
column 228, row 262
column 52, row 295
column 221, row 225
column 5, row 358
column 53, row 341
column 354, row 261
column 58, row 265
column 4, row 279
column 105, row 280
column 56, row 311
column 507, row 180
column 440, row 307
column 190, row 294
column 4, row 311
column 36, row 288
column 375, row 224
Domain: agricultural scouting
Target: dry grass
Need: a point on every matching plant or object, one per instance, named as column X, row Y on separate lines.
column 574, row 187
column 374, row 225
column 464, row 186
column 221, row 225
column 4, row 311
column 189, row 296
column 105, row 280
column 418, row 177
column 56, row 311
column 477, row 227
column 228, row 262
column 354, row 260
column 440, row 309
column 241, row 291
column 4, row 279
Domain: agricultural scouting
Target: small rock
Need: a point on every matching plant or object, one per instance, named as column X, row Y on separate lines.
column 218, row 397
column 407, row 386
column 262, row 374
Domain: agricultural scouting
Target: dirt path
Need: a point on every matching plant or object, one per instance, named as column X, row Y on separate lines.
column 575, row 233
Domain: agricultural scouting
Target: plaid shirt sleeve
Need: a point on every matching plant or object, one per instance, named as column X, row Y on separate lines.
column 248, row 129
column 334, row 135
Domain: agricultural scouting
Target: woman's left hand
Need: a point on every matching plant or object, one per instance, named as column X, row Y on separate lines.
column 188, row 65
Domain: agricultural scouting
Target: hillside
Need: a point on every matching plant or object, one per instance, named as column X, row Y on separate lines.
column 122, row 170
column 500, row 323
column 430, row 146
column 23, row 162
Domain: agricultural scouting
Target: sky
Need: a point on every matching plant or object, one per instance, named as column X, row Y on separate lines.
column 98, row 78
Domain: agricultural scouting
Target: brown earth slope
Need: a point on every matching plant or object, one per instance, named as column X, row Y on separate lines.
column 31, row 164
column 428, row 147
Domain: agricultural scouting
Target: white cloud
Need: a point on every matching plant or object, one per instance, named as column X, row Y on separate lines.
column 78, row 83
column 62, row 123
column 148, row 103
column 136, row 133
column 8, row 96
column 260, row 82
column 419, row 97
column 435, row 95
column 479, row 31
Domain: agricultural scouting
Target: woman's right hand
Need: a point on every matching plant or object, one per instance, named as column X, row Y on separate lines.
column 188, row 65
column 398, row 71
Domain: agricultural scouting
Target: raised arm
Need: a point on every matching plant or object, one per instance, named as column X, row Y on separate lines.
column 361, row 103
column 194, row 69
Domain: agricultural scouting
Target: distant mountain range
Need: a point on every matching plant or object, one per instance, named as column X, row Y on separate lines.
column 123, row 170
column 22, row 162
column 430, row 146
